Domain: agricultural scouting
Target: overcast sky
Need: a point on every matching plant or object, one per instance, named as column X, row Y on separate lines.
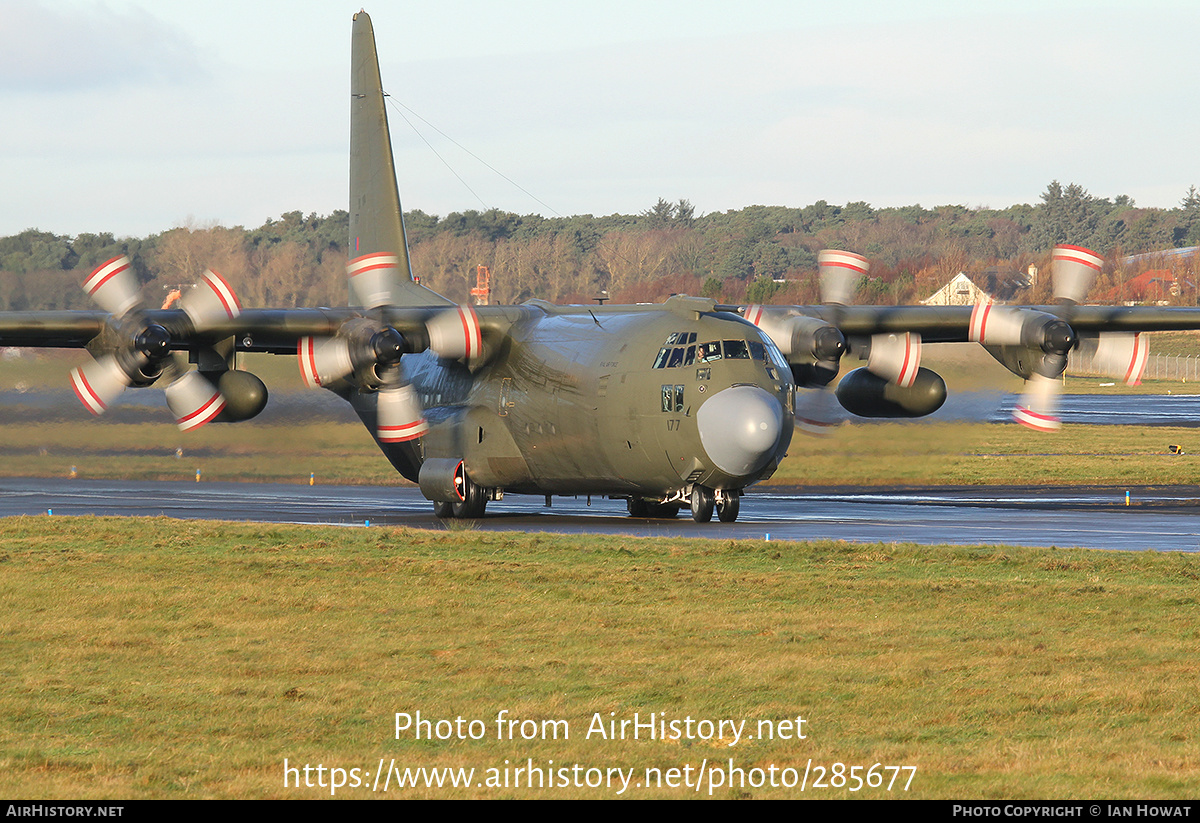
column 134, row 117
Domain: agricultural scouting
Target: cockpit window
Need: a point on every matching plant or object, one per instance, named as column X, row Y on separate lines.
column 737, row 350
column 777, row 358
column 679, row 351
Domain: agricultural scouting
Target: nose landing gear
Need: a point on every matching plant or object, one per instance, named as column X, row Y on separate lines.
column 727, row 502
column 728, row 506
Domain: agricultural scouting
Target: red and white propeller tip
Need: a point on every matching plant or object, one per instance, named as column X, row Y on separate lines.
column 1038, row 407
column 1074, row 270
column 1122, row 356
column 371, row 278
column 995, row 325
column 840, row 272
column 210, row 302
column 113, row 286
column 194, row 401
column 399, row 417
column 98, row 383
column 895, row 357
column 454, row 334
column 323, row 360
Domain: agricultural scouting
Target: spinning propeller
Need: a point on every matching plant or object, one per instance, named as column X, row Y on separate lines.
column 894, row 357
column 815, row 347
column 139, row 351
column 1050, row 338
column 367, row 352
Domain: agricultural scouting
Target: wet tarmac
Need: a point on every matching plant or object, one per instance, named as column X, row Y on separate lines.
column 1159, row 518
column 1166, row 519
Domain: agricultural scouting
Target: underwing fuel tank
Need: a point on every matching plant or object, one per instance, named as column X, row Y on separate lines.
column 868, row 395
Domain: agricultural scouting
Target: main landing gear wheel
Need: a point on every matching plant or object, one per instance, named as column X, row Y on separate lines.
column 474, row 499
column 637, row 507
column 473, row 503
column 728, row 507
column 702, row 504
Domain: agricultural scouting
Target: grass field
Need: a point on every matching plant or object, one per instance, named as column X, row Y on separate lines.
column 931, row 454
column 155, row 658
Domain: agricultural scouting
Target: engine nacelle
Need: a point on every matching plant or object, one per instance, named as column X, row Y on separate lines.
column 801, row 339
column 868, row 395
column 1025, row 362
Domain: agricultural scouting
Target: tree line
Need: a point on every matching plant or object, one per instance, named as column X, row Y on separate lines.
column 754, row 254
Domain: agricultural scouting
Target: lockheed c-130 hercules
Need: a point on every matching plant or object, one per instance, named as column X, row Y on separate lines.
column 684, row 403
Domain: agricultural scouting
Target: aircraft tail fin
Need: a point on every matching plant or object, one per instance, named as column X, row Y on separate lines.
column 376, row 220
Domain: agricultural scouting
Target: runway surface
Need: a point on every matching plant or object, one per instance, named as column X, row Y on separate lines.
column 1164, row 518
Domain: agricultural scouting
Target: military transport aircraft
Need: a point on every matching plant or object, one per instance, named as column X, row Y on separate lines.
column 684, row 403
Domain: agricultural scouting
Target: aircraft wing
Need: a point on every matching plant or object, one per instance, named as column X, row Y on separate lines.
column 50, row 329
column 952, row 324
column 277, row 331
column 271, row 330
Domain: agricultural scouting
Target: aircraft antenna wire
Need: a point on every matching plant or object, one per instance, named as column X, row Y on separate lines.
column 398, row 105
column 436, row 153
column 400, row 108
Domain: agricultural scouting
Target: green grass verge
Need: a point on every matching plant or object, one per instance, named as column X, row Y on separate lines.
column 258, row 452
column 165, row 659
column 908, row 453
column 924, row 454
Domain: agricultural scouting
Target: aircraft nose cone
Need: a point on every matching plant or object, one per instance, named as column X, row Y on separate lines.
column 740, row 428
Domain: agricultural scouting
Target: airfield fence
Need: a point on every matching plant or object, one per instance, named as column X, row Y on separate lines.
column 1158, row 367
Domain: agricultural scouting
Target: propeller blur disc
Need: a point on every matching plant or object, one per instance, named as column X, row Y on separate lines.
column 816, row 411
